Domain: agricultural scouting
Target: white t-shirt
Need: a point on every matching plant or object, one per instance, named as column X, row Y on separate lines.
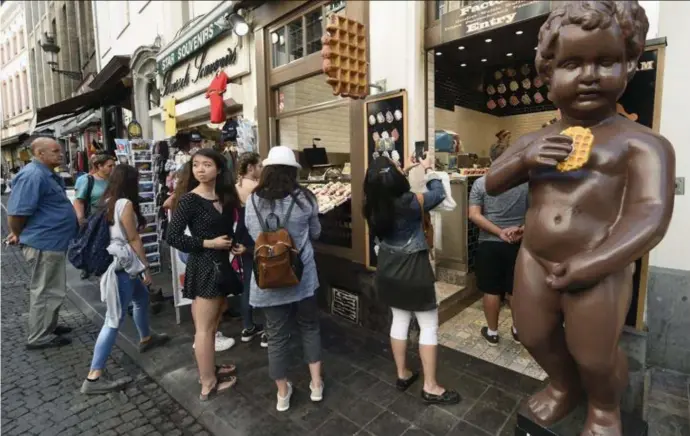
column 116, row 230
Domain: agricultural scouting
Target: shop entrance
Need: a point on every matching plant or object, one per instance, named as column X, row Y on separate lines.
column 482, row 85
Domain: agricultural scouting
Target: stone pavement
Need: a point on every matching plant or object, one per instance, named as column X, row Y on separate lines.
column 40, row 389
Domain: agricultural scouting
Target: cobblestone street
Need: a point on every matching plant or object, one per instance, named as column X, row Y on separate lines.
column 40, row 389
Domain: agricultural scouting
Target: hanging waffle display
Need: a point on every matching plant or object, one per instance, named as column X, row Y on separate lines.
column 583, row 139
column 345, row 57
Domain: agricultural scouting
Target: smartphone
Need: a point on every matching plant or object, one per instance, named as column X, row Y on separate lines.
column 420, row 150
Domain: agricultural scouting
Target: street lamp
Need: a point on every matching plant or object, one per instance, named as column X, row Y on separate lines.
column 51, row 50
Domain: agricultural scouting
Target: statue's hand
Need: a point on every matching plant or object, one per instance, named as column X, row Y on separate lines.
column 548, row 151
column 574, row 274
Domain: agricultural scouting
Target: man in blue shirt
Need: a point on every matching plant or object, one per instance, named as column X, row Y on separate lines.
column 42, row 220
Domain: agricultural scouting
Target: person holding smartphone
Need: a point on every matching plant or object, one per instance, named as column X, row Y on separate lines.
column 125, row 281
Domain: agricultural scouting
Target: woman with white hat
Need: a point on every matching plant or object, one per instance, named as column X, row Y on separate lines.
column 280, row 196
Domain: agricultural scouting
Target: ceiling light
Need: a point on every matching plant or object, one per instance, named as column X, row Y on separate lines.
column 535, row 48
column 484, row 60
column 462, row 47
column 519, row 32
column 274, row 38
column 463, row 65
column 438, row 53
column 488, row 40
column 509, row 54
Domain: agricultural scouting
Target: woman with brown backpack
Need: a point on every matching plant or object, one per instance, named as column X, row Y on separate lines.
column 282, row 218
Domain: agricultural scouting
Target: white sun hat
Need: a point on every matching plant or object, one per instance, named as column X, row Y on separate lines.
column 281, row 155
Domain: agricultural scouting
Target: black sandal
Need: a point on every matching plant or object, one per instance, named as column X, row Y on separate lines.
column 403, row 384
column 447, row 397
column 226, row 375
column 215, row 391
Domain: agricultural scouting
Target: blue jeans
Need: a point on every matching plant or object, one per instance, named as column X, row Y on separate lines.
column 130, row 290
column 245, row 308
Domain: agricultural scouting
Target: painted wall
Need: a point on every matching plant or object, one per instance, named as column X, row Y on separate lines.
column 123, row 26
column 674, row 250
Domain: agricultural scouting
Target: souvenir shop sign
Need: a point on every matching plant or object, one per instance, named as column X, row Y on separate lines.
column 205, row 30
column 199, row 68
column 484, row 16
column 227, row 54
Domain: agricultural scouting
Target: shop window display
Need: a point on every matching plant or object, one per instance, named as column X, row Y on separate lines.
column 321, row 140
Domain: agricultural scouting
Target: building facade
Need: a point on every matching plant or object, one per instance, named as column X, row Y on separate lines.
column 68, row 24
column 139, row 30
column 15, row 82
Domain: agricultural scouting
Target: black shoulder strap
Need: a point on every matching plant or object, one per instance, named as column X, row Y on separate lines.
column 89, row 189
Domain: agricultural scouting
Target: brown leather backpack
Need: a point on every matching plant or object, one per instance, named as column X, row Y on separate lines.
column 277, row 262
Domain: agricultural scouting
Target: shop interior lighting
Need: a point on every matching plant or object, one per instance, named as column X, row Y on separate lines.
column 519, row 32
column 438, row 53
column 535, row 48
column 462, row 47
column 509, row 54
column 463, row 65
column 238, row 23
column 488, row 40
column 274, row 38
column 484, row 60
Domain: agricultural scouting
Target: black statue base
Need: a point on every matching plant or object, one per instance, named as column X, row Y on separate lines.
column 572, row 424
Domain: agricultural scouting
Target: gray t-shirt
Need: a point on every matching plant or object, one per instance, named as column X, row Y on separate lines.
column 504, row 210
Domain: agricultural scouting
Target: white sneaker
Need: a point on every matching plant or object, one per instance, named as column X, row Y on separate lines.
column 316, row 393
column 222, row 342
column 284, row 402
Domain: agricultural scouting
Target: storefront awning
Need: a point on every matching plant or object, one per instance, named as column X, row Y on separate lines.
column 110, row 87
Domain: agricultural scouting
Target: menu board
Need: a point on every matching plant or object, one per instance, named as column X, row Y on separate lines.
column 386, row 135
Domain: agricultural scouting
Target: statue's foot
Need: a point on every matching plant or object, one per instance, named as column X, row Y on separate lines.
column 550, row 405
column 602, row 423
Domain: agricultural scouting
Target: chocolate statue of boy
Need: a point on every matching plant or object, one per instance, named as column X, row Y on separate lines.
column 585, row 228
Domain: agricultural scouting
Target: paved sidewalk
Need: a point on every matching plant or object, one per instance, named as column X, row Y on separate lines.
column 40, row 389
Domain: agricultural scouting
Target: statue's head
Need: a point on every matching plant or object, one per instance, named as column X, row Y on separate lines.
column 587, row 53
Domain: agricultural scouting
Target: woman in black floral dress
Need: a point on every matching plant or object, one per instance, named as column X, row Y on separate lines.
column 208, row 210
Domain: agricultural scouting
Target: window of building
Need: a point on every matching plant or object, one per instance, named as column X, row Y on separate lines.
column 314, row 24
column 2, row 55
column 279, row 47
column 290, row 41
column 25, row 89
column 5, row 102
column 22, row 38
column 153, row 93
column 10, row 99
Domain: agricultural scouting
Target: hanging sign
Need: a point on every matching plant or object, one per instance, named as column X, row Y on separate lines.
column 484, row 16
column 134, row 130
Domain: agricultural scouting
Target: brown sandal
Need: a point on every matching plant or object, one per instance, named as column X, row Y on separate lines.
column 224, row 372
column 231, row 381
